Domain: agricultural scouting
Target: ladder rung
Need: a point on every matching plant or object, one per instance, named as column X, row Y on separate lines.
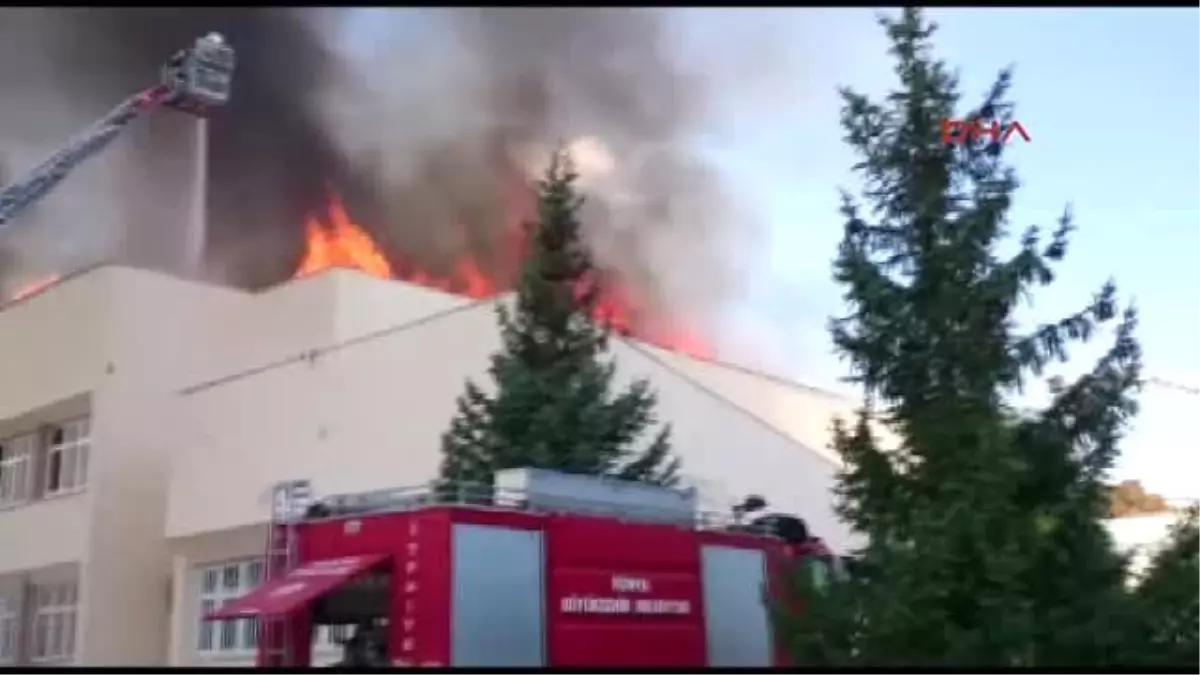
column 280, row 549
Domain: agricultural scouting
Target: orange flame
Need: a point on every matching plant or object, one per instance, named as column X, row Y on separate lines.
column 337, row 241
column 340, row 242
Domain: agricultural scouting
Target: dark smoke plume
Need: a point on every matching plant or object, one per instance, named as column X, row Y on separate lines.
column 269, row 153
column 487, row 95
column 430, row 142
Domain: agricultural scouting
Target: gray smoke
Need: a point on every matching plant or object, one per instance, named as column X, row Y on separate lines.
column 269, row 153
column 429, row 140
column 497, row 86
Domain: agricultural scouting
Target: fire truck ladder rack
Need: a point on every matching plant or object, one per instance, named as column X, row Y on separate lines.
column 290, row 498
column 475, row 495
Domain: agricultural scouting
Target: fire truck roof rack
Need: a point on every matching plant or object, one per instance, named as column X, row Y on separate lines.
column 539, row 491
column 482, row 496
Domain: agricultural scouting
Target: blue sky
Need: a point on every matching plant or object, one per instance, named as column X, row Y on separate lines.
column 1111, row 98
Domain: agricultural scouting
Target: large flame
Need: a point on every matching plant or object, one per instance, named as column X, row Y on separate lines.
column 337, row 241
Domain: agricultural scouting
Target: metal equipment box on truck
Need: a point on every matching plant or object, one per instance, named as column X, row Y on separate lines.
column 616, row 577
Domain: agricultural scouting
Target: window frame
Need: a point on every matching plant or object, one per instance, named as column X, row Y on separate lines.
column 18, row 455
column 72, row 453
column 208, row 636
column 10, row 626
column 55, row 606
column 326, row 639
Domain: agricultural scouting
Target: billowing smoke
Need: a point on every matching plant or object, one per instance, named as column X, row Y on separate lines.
column 430, row 136
column 493, row 88
column 269, row 153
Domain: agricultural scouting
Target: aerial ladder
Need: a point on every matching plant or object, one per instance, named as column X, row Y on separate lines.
column 194, row 81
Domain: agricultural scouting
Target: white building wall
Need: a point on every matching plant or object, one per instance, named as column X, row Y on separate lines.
column 1142, row 537
column 56, row 529
column 52, row 346
column 153, row 324
column 52, row 359
column 202, row 398
column 366, row 305
column 370, row 413
column 110, row 344
column 737, row 454
column 802, row 413
column 364, row 416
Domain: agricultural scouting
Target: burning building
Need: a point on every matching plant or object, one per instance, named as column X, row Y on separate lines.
column 436, row 169
column 145, row 419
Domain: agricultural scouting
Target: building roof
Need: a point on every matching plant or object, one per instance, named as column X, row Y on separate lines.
column 368, row 309
column 765, row 398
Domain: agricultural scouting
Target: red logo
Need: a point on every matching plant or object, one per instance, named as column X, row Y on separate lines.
column 958, row 132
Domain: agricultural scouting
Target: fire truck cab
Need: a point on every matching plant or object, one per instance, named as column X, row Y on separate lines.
column 541, row 569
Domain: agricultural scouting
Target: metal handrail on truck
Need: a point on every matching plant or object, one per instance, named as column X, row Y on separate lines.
column 481, row 495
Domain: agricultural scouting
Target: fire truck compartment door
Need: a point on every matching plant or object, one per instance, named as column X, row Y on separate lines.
column 497, row 600
column 298, row 587
column 735, row 611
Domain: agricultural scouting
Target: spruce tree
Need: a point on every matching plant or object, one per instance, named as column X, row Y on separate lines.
column 554, row 405
column 986, row 545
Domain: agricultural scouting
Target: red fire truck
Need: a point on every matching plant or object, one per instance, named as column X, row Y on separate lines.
column 543, row 569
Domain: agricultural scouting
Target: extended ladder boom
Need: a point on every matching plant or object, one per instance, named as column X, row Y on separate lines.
column 18, row 196
column 194, row 80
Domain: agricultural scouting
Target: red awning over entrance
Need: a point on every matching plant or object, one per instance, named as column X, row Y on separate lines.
column 297, row 588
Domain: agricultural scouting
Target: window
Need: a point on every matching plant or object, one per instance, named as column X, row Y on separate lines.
column 16, row 469
column 10, row 623
column 54, row 622
column 332, row 636
column 67, row 456
column 227, row 581
column 220, row 584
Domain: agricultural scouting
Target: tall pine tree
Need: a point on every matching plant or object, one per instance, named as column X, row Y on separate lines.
column 553, row 406
column 986, row 545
